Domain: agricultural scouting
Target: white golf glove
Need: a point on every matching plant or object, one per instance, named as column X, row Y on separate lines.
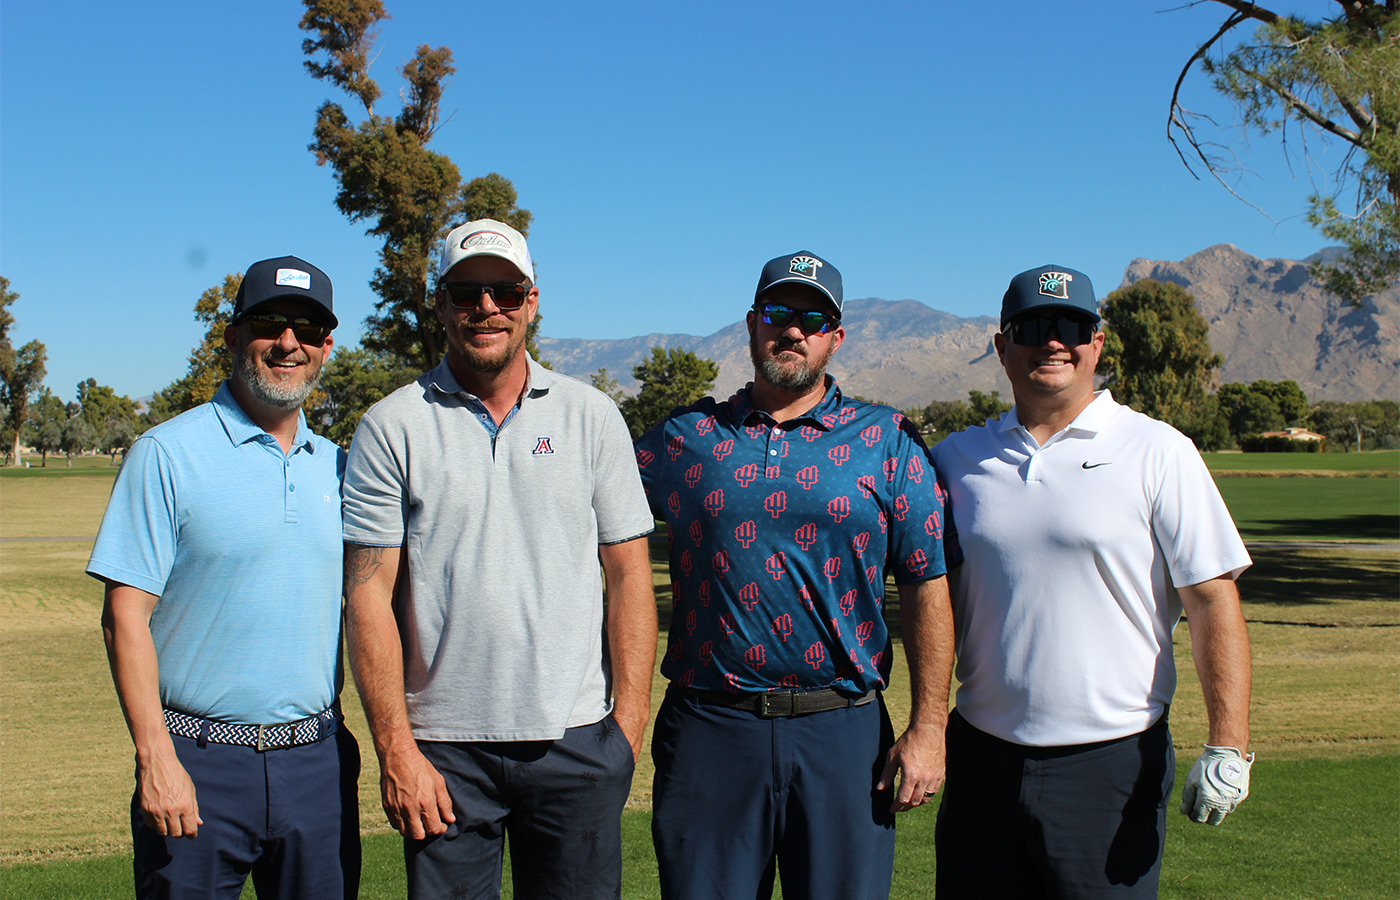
column 1216, row 784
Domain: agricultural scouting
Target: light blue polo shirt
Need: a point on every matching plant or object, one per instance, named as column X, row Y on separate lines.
column 242, row 544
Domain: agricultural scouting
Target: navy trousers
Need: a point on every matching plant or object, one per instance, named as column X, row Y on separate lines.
column 557, row 804
column 738, row 798
column 288, row 817
column 1061, row 823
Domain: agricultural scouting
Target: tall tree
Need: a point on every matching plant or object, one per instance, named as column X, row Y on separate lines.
column 388, row 177
column 47, row 416
column 78, row 435
column 1288, row 396
column 21, row 373
column 1157, row 356
column 668, row 379
column 1247, row 411
column 1328, row 79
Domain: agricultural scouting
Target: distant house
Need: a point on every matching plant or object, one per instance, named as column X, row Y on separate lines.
column 1293, row 434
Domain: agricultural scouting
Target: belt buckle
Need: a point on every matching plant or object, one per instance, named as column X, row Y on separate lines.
column 766, row 707
column 260, row 745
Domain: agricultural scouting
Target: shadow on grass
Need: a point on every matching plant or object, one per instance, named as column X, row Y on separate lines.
column 1352, row 528
column 1278, row 574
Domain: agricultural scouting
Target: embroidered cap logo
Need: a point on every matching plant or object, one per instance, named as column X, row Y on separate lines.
column 1055, row 284
column 805, row 266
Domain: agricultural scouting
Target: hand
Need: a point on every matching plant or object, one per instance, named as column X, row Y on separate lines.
column 167, row 797
column 632, row 727
column 918, row 757
column 414, row 794
column 1216, row 784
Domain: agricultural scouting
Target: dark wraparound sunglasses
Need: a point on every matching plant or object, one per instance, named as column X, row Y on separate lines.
column 1036, row 331
column 271, row 325
column 811, row 321
column 507, row 295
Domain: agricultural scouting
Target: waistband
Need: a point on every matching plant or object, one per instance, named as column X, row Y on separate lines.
column 783, row 704
column 260, row 737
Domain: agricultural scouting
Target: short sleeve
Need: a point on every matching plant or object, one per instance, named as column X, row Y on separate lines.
column 376, row 495
column 136, row 541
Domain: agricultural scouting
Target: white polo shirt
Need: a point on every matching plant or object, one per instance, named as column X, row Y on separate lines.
column 1063, row 606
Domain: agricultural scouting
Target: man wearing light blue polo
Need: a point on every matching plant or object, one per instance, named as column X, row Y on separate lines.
column 221, row 554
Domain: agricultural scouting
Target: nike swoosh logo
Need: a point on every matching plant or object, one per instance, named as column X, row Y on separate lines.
column 1085, row 464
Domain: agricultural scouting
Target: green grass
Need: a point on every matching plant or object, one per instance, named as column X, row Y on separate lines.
column 1314, row 509
column 1381, row 462
column 1310, row 829
column 1325, row 709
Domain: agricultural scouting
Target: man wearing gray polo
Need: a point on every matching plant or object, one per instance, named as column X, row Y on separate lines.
column 503, row 695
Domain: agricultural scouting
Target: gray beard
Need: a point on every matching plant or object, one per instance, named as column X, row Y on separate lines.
column 268, row 392
column 798, row 380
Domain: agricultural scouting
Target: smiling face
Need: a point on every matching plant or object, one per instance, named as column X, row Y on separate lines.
column 277, row 373
column 1053, row 372
column 486, row 339
column 786, row 357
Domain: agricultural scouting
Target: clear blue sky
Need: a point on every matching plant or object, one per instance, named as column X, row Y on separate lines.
column 930, row 151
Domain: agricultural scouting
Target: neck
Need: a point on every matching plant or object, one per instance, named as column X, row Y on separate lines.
column 784, row 405
column 276, row 421
column 1044, row 417
column 498, row 391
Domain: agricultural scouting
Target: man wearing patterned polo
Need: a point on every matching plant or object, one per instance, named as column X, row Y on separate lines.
column 221, row 554
column 787, row 505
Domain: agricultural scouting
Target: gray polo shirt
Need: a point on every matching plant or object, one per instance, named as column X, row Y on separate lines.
column 502, row 625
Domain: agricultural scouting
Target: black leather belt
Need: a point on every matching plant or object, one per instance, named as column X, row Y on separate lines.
column 785, row 704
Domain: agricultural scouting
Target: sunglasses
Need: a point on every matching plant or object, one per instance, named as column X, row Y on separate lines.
column 272, row 325
column 507, row 295
column 811, row 321
column 1036, row 331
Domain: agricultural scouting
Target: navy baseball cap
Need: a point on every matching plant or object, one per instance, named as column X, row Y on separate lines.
column 802, row 267
column 284, row 278
column 1049, row 287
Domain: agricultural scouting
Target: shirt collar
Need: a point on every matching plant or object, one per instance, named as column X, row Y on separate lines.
column 540, row 379
column 1090, row 420
column 819, row 416
column 240, row 427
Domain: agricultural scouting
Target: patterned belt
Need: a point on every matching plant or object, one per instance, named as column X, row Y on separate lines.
column 259, row 737
column 785, row 704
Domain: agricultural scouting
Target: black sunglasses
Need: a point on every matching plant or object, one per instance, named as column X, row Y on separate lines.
column 272, row 325
column 811, row 321
column 1036, row 331
column 507, row 295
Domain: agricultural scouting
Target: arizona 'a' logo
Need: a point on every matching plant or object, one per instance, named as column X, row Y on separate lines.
column 542, row 447
column 1055, row 284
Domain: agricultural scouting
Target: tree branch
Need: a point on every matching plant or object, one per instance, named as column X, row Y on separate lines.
column 1304, row 109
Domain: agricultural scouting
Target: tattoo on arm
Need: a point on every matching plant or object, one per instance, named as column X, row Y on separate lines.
column 361, row 563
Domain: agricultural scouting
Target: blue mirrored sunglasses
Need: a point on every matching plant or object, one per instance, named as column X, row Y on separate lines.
column 811, row 321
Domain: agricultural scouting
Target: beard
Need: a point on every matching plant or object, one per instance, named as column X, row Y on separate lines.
column 795, row 378
column 270, row 391
column 488, row 361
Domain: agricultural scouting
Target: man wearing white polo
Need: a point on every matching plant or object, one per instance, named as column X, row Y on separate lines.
column 1086, row 529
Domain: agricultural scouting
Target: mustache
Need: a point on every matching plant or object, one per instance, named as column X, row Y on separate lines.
column 298, row 357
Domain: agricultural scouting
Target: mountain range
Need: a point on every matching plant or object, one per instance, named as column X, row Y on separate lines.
column 1268, row 319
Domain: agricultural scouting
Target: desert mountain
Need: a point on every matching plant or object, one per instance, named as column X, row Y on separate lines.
column 1268, row 319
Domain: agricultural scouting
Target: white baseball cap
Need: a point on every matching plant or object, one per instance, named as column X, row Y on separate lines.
column 490, row 238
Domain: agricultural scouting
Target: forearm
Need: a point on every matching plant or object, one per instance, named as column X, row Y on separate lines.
column 1220, row 648
column 376, row 649
column 131, row 655
column 926, row 618
column 632, row 629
